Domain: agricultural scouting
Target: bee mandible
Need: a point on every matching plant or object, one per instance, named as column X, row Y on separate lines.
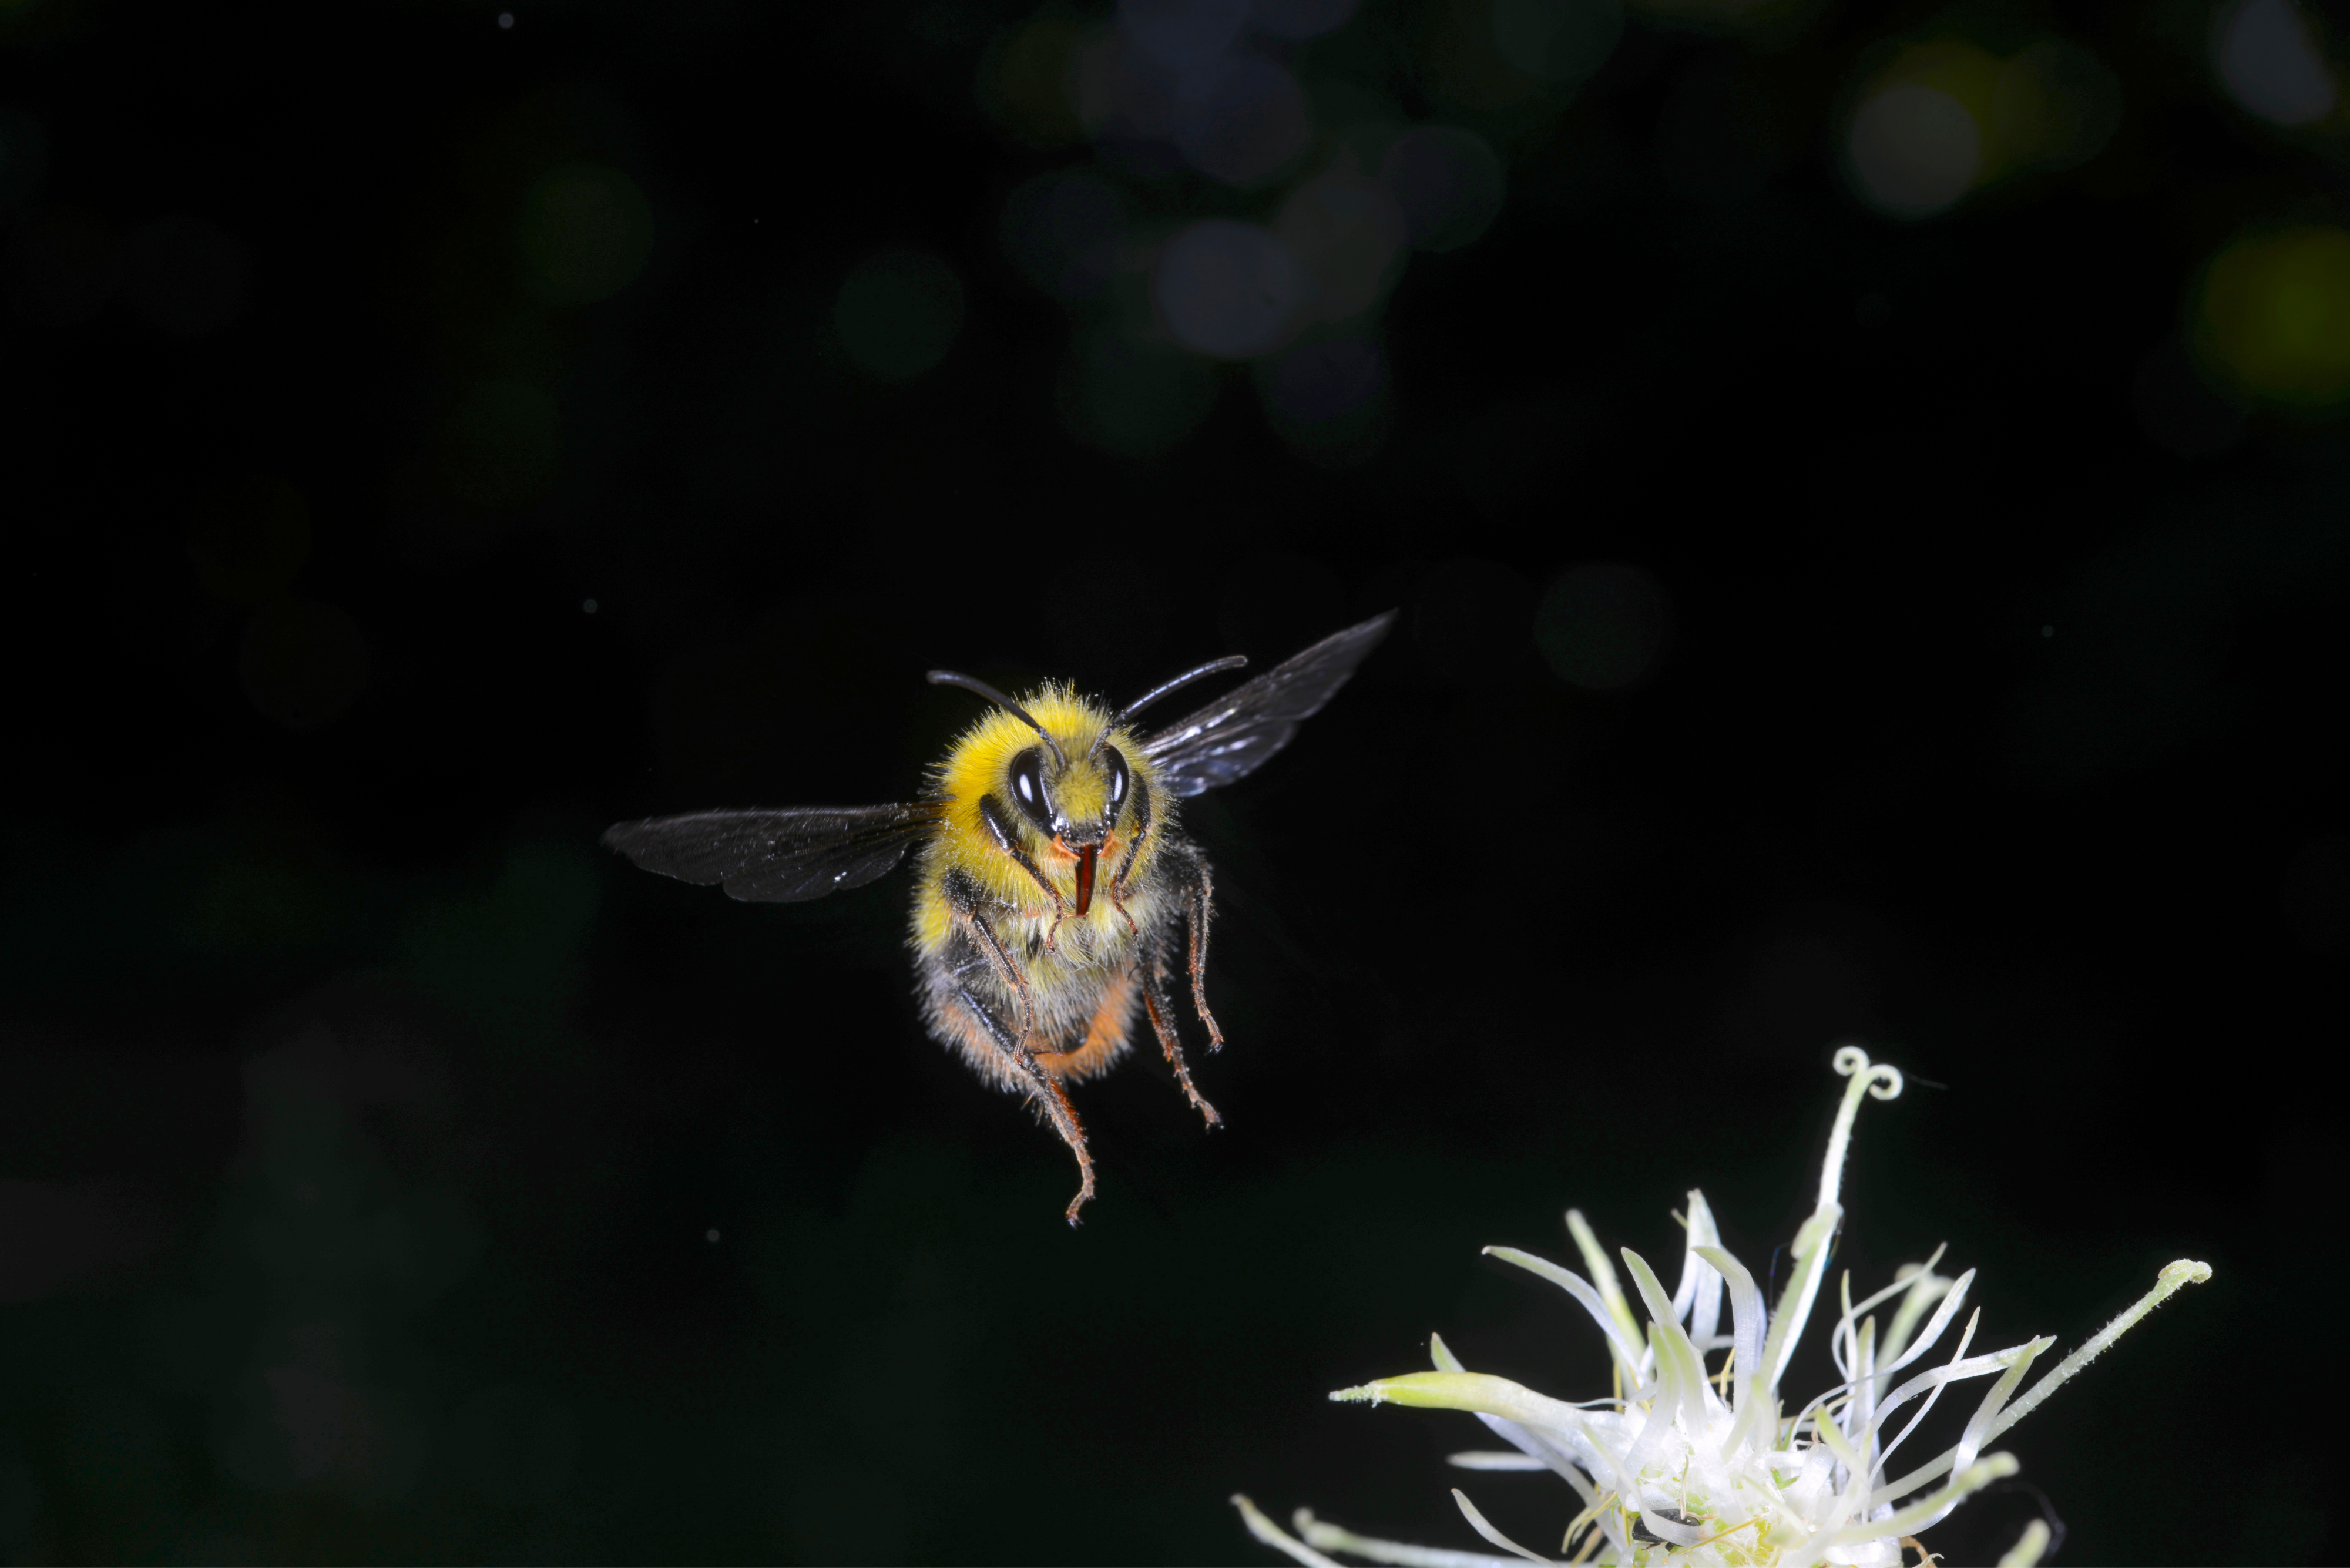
column 1056, row 895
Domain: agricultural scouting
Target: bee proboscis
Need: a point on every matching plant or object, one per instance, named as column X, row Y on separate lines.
column 1056, row 895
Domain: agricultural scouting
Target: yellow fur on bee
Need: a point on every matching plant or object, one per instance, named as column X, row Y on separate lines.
column 979, row 763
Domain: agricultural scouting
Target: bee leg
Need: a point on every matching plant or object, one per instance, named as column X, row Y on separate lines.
column 992, row 815
column 1064, row 1117
column 1060, row 911
column 1000, row 961
column 1125, row 863
column 1202, row 891
column 1155, row 1005
column 1020, row 1067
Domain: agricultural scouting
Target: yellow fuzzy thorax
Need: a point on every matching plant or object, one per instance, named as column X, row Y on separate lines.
column 979, row 764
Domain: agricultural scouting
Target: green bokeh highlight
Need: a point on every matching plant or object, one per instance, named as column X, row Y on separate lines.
column 897, row 314
column 2272, row 315
column 585, row 232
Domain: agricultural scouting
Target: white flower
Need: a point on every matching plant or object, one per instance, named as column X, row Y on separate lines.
column 1710, row 1467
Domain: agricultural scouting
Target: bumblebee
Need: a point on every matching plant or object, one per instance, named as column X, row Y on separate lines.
column 1057, row 896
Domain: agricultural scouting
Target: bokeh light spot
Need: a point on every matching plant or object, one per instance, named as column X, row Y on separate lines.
column 586, row 231
column 1914, row 150
column 1227, row 289
column 1135, row 399
column 1062, row 231
column 1300, row 18
column 302, row 662
column 2272, row 316
column 1126, row 101
column 2269, row 63
column 1241, row 119
column 2054, row 106
column 1024, row 81
column 1349, row 234
column 1182, row 33
column 1603, row 627
column 1315, row 383
column 1557, row 40
column 249, row 537
column 1447, row 182
column 898, row 314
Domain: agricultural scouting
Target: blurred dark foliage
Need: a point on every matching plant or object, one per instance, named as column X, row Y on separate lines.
column 432, row 434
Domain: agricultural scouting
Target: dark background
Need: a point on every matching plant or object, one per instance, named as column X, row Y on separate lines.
column 388, row 1173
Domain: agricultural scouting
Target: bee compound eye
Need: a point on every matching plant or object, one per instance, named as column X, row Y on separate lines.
column 1028, row 786
column 1117, row 768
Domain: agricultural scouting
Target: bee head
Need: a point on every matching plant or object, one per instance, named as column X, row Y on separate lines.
column 1071, row 785
column 1076, row 800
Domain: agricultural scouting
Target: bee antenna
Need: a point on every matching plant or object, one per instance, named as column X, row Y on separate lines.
column 1213, row 667
column 972, row 683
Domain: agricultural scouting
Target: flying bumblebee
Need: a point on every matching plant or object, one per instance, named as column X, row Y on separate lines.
column 1057, row 894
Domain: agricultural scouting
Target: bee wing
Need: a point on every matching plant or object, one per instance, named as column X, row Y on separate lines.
column 786, row 857
column 1231, row 737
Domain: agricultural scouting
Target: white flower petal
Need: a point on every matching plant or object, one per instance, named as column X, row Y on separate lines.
column 1811, row 1250
column 1697, row 1297
column 2015, row 1361
column 1477, row 1523
column 1280, row 1539
column 1603, row 1275
column 1329, row 1537
column 1926, row 1288
column 2019, row 1362
column 1933, row 1383
column 1679, row 1366
column 1926, row 1510
column 1746, row 1314
column 1621, row 1339
column 1953, row 1294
